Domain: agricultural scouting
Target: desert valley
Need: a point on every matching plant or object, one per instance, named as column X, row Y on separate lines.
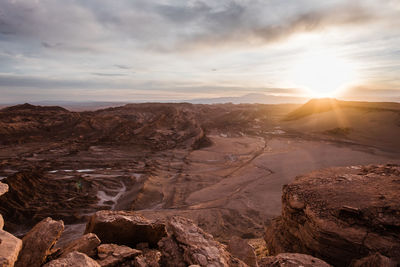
column 222, row 165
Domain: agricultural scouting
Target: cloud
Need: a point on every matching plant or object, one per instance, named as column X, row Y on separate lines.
column 80, row 26
column 56, row 44
column 108, row 74
column 238, row 26
column 123, row 67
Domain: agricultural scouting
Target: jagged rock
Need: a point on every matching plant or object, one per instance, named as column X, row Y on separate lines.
column 198, row 246
column 73, row 259
column 86, row 244
column 3, row 188
column 1, row 222
column 340, row 214
column 125, row 228
column 239, row 248
column 10, row 247
column 114, row 255
column 38, row 242
column 374, row 260
column 292, row 260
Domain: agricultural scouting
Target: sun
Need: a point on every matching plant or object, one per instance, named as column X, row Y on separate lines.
column 322, row 74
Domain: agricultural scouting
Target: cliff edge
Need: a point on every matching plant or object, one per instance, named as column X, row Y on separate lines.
column 340, row 215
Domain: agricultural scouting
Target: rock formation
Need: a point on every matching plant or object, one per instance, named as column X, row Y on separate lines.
column 73, row 259
column 10, row 246
column 340, row 214
column 125, row 228
column 239, row 248
column 86, row 244
column 194, row 246
column 114, row 255
column 23, row 206
column 38, row 242
column 292, row 260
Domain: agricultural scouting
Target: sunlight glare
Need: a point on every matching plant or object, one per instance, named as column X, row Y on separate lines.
column 322, row 74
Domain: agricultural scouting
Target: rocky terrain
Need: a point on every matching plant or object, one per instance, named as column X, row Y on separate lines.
column 127, row 239
column 222, row 166
column 341, row 215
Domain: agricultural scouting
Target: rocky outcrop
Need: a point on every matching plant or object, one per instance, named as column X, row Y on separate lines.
column 292, row 260
column 38, row 242
column 194, row 246
column 340, row 214
column 73, row 259
column 111, row 255
column 86, row 244
column 125, row 228
column 10, row 247
column 239, row 248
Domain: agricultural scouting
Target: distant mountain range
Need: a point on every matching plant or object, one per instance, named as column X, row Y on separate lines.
column 251, row 99
column 245, row 99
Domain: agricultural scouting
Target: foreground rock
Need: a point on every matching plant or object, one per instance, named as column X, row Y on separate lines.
column 190, row 245
column 38, row 242
column 73, row 259
column 86, row 244
column 125, row 228
column 340, row 215
column 10, row 246
column 113, row 255
column 292, row 260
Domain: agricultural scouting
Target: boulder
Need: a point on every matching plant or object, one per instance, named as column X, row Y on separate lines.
column 73, row 259
column 373, row 260
column 292, row 260
column 198, row 247
column 239, row 248
column 86, row 244
column 340, row 214
column 125, row 228
column 3, row 188
column 36, row 244
column 114, row 255
column 1, row 222
column 10, row 247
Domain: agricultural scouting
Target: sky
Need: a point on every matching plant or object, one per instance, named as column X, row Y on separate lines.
column 143, row 50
